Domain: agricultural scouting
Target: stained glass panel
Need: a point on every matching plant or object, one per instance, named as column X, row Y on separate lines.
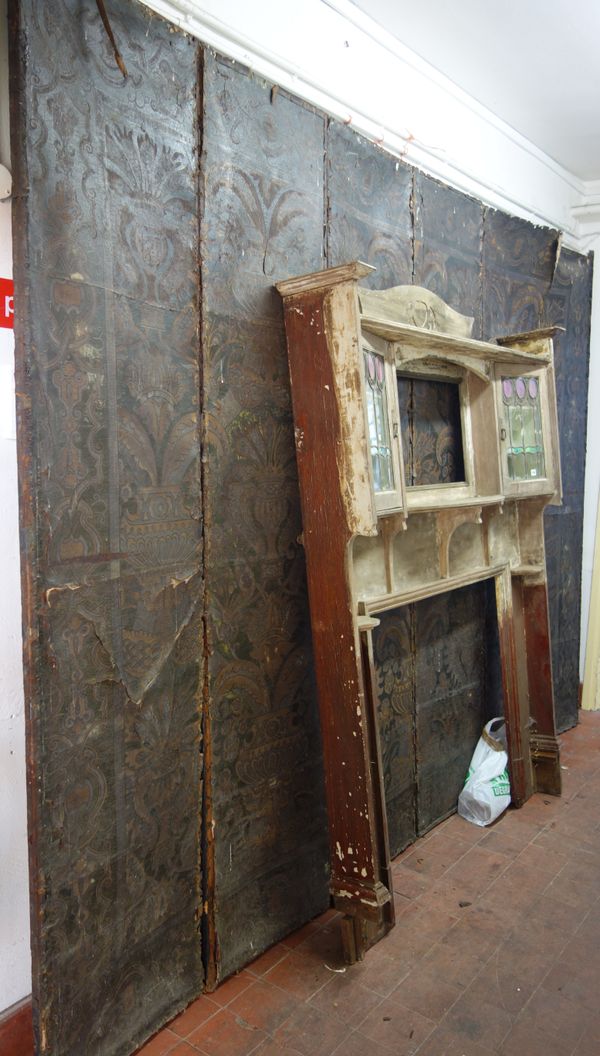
column 525, row 443
column 378, row 423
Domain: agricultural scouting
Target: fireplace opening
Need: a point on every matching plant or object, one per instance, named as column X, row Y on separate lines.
column 438, row 677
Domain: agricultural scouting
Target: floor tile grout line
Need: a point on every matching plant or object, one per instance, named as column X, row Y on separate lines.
column 568, row 811
column 556, row 958
column 299, row 1001
column 489, row 959
column 477, row 843
column 484, row 964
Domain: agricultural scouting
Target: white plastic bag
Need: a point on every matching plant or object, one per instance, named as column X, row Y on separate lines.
column 487, row 787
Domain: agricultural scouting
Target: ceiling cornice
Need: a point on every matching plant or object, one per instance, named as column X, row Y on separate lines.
column 586, row 215
column 383, row 37
column 226, row 33
column 588, row 211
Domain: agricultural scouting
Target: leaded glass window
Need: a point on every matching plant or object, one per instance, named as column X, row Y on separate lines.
column 524, row 437
column 378, row 422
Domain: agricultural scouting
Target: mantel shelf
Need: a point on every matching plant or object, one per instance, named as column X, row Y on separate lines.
column 437, row 344
column 367, row 606
column 440, row 500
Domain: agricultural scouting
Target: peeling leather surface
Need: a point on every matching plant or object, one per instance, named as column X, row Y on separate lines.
column 263, row 221
column 108, row 360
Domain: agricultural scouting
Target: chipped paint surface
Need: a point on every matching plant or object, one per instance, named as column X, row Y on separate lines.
column 385, row 564
column 338, row 646
column 340, row 311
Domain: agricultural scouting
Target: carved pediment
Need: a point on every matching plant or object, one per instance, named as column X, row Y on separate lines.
column 415, row 306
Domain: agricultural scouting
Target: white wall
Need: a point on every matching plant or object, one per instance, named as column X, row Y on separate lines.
column 15, row 959
column 592, row 468
column 332, row 55
column 15, row 965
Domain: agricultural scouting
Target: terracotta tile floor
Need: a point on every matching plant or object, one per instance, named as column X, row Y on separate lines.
column 496, row 950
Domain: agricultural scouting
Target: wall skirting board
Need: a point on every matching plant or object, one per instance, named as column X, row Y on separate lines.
column 16, row 1031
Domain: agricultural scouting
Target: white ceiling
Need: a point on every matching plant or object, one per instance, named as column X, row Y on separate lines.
column 534, row 63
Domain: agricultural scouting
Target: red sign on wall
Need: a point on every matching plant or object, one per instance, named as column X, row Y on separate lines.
column 7, row 303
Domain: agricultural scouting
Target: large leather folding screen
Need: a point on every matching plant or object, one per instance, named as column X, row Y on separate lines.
column 177, row 815
column 106, row 251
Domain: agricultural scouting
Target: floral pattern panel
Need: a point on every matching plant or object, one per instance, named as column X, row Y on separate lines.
column 448, row 244
column 529, row 282
column 431, row 430
column 435, row 666
column 394, row 655
column 450, row 698
column 107, row 279
column 368, row 201
column 568, row 304
column 262, row 221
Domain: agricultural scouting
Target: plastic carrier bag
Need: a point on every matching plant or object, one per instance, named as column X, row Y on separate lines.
column 487, row 787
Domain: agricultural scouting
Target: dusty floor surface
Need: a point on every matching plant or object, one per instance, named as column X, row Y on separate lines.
column 496, row 951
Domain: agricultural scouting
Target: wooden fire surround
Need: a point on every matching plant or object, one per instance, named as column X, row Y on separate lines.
column 368, row 551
